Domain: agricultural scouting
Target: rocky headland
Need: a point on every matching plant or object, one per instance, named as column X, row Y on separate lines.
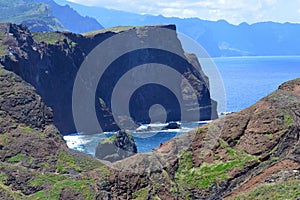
column 250, row 154
column 245, row 154
column 50, row 62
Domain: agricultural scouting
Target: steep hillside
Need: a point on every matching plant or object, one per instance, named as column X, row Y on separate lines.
column 35, row 162
column 70, row 19
column 250, row 154
column 46, row 16
column 50, row 62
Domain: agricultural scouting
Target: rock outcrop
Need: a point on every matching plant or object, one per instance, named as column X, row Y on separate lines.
column 34, row 159
column 235, row 156
column 50, row 62
column 172, row 125
column 245, row 154
column 117, row 147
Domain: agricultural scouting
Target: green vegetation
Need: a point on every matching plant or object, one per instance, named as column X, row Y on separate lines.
column 141, row 194
column 4, row 138
column 41, row 195
column 50, row 38
column 288, row 120
column 46, row 178
column 20, row 157
column 81, row 186
column 109, row 140
column 270, row 136
column 117, row 29
column 57, row 183
column 207, row 174
column 20, row 10
column 14, row 194
column 67, row 160
column 286, row 190
column 16, row 158
column 27, row 129
column 200, row 130
column 2, row 35
column 3, row 177
column 3, row 50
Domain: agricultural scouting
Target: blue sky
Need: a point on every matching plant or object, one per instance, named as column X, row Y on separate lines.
column 234, row 11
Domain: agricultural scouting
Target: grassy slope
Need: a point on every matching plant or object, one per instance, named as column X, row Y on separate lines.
column 20, row 10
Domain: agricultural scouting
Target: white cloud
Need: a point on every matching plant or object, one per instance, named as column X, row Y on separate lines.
column 234, row 11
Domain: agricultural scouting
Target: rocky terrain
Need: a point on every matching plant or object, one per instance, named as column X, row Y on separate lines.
column 50, row 62
column 250, row 154
column 117, row 147
column 35, row 162
column 45, row 16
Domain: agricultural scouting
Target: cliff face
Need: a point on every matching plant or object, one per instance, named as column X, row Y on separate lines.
column 50, row 62
column 249, row 153
column 34, row 159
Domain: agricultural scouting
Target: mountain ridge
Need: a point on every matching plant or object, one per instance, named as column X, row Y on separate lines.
column 219, row 38
column 45, row 16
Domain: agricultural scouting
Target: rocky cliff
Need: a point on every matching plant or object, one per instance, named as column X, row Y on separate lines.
column 117, row 147
column 50, row 62
column 35, row 162
column 250, row 154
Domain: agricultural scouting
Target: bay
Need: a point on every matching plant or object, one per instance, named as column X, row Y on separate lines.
column 245, row 80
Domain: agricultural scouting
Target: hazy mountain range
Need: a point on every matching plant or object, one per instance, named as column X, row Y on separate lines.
column 219, row 38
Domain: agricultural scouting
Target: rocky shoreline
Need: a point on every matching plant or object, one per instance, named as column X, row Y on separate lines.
column 249, row 154
column 50, row 62
column 256, row 146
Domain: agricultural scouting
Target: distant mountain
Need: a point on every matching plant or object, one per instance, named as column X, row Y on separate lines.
column 219, row 38
column 45, row 15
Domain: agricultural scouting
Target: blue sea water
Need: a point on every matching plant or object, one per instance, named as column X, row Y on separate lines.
column 245, row 79
column 145, row 140
column 248, row 79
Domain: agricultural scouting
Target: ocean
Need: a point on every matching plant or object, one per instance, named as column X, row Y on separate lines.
column 245, row 81
column 248, row 79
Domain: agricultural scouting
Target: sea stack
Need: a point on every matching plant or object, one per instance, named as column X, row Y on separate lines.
column 117, row 147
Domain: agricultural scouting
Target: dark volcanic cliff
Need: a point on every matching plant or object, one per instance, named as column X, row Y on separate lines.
column 250, row 154
column 50, row 62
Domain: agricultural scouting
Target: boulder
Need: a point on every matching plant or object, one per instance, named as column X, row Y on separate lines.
column 172, row 125
column 117, row 147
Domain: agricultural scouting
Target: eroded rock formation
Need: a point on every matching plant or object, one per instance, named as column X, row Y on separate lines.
column 117, row 147
column 50, row 62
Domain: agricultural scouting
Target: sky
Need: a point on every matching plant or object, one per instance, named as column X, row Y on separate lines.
column 233, row 11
